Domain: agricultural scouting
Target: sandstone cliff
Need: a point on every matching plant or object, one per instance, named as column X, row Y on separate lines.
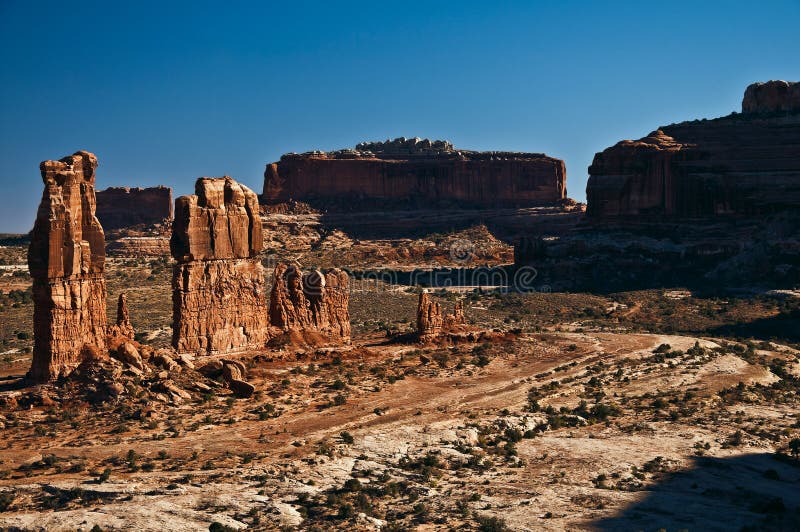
column 740, row 164
column 414, row 172
column 119, row 207
column 66, row 259
column 219, row 293
column 772, row 97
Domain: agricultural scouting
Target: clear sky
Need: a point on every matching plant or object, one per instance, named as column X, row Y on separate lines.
column 164, row 92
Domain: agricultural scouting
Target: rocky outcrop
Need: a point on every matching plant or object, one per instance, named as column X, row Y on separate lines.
column 412, row 173
column 772, row 97
column 234, row 373
column 429, row 318
column 125, row 207
column 122, row 330
column 66, row 259
column 736, row 165
column 219, row 292
column 314, row 302
column 432, row 324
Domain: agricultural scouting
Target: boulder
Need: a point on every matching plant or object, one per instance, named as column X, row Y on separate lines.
column 128, row 354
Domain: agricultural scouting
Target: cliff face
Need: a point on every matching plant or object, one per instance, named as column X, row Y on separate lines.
column 415, row 172
column 740, row 164
column 119, row 207
column 66, row 258
column 706, row 204
column 219, row 294
column 772, row 97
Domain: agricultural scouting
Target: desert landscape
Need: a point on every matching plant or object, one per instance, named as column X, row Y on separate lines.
column 410, row 336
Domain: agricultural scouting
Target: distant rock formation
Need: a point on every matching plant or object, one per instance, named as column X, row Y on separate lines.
column 219, row 293
column 772, row 97
column 414, row 173
column 706, row 205
column 740, row 164
column 313, row 302
column 432, row 324
column 66, row 259
column 119, row 207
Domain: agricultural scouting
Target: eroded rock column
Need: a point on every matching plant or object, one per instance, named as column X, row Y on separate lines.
column 219, row 295
column 429, row 318
column 66, row 259
column 311, row 302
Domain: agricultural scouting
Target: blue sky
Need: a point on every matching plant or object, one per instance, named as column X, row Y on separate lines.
column 165, row 92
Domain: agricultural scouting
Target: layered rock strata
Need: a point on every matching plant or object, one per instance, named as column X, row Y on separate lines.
column 66, row 259
column 312, row 302
column 774, row 96
column 742, row 164
column 706, row 205
column 119, row 207
column 219, row 292
column 413, row 173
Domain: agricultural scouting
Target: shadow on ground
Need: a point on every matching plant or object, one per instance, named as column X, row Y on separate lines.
column 785, row 326
column 743, row 493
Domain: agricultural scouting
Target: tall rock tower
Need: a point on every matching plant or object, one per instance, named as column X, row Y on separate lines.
column 66, row 258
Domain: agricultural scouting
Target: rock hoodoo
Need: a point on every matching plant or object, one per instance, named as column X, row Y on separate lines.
column 314, row 302
column 122, row 330
column 66, row 259
column 219, row 293
column 415, row 172
column 119, row 207
column 738, row 164
column 432, row 324
column 429, row 318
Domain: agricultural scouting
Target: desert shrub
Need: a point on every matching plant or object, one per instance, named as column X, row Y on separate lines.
column 6, row 500
column 491, row 523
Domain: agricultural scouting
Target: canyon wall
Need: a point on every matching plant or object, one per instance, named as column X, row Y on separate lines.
column 741, row 164
column 119, row 207
column 66, row 259
column 706, row 205
column 219, row 293
column 413, row 173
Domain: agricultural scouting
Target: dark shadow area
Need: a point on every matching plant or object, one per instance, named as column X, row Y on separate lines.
column 490, row 278
column 783, row 327
column 11, row 383
column 751, row 492
column 416, row 221
column 397, row 224
column 14, row 240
